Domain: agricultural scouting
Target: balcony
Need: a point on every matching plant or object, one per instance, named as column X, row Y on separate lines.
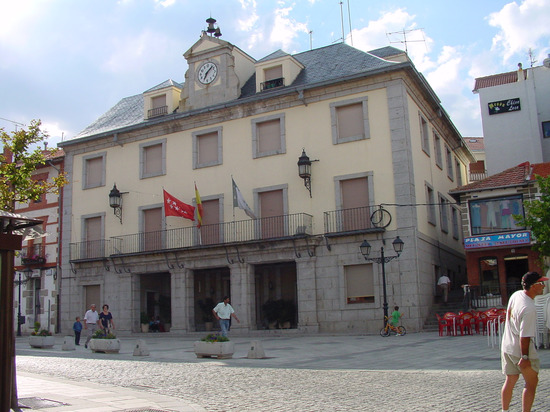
column 354, row 220
column 270, row 228
column 33, row 255
column 157, row 111
column 272, row 84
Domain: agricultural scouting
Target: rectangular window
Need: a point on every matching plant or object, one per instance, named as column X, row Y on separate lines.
column 94, row 171
column 94, row 245
column 350, row 121
column 458, row 170
column 455, row 215
column 355, row 204
column 268, row 136
column 449, row 158
column 424, row 135
column 430, row 200
column 158, row 101
column 444, row 214
column 152, row 159
column 152, row 229
column 546, row 129
column 210, row 229
column 207, row 148
column 158, row 106
column 272, row 213
column 495, row 215
column 437, row 150
column 359, row 283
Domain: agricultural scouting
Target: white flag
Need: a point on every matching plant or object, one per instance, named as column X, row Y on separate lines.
column 238, row 201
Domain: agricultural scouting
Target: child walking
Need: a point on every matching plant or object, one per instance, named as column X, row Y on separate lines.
column 77, row 327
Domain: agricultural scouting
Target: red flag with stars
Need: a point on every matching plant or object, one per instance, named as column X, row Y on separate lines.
column 175, row 207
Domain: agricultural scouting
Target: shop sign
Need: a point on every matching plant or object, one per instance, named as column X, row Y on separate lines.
column 504, row 106
column 503, row 239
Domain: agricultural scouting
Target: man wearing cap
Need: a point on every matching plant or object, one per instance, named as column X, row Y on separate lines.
column 519, row 355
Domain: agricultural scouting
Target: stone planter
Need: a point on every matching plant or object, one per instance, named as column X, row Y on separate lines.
column 220, row 350
column 144, row 327
column 41, row 341
column 104, row 345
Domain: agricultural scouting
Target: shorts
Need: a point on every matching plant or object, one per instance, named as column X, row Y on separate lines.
column 510, row 364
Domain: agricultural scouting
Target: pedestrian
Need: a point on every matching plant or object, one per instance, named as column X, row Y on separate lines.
column 519, row 355
column 223, row 312
column 445, row 284
column 395, row 316
column 90, row 322
column 77, row 327
column 106, row 322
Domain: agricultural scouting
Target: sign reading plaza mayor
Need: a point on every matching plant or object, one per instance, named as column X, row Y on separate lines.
column 504, row 106
column 508, row 239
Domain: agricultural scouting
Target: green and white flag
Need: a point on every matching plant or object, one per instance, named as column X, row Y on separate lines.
column 238, row 201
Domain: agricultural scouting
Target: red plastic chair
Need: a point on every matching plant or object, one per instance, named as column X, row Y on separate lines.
column 452, row 318
column 444, row 325
column 465, row 323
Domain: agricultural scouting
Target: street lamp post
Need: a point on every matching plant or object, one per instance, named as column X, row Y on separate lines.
column 365, row 251
column 20, row 282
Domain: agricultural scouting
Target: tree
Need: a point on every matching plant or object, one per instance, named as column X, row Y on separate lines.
column 537, row 218
column 17, row 164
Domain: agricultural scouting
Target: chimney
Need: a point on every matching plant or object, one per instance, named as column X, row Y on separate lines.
column 521, row 76
column 546, row 62
column 8, row 155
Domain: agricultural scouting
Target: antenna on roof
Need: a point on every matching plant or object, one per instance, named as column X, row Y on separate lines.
column 531, row 57
column 342, row 21
column 310, row 40
column 349, row 20
column 404, row 33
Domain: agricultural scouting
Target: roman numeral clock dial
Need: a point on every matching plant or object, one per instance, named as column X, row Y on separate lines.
column 207, row 73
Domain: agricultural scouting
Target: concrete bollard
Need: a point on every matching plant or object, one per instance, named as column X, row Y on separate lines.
column 141, row 348
column 256, row 350
column 68, row 343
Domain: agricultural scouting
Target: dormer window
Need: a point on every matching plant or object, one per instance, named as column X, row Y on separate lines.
column 159, row 106
column 273, row 78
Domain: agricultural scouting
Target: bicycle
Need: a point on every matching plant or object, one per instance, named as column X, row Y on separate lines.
column 389, row 328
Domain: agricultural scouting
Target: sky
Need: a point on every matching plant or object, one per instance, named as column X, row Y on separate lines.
column 66, row 62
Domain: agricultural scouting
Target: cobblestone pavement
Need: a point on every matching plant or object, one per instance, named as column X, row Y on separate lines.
column 417, row 372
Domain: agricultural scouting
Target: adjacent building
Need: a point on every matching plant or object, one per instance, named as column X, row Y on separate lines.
column 498, row 250
column 377, row 154
column 515, row 112
column 38, row 262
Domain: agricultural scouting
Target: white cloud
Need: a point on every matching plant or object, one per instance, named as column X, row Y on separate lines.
column 285, row 29
column 521, row 27
column 165, row 3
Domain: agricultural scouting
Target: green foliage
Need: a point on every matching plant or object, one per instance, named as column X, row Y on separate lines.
column 16, row 183
column 144, row 319
column 100, row 334
column 212, row 337
column 40, row 332
column 537, row 218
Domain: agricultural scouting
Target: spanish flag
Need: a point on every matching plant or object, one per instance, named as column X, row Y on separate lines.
column 199, row 206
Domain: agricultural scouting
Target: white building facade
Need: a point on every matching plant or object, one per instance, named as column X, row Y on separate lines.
column 515, row 112
column 377, row 138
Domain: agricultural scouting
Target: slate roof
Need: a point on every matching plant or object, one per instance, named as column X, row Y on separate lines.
column 385, row 52
column 519, row 175
column 165, row 84
column 326, row 64
column 274, row 55
column 497, row 79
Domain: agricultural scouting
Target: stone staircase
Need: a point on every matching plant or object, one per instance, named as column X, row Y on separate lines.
column 454, row 304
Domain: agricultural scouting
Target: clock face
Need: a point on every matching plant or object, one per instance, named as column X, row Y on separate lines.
column 207, row 73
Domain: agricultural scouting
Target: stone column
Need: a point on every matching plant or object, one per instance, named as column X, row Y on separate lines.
column 181, row 283
column 307, row 295
column 242, row 295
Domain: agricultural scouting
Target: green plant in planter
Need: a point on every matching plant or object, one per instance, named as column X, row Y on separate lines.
column 212, row 338
column 100, row 334
column 40, row 332
column 144, row 319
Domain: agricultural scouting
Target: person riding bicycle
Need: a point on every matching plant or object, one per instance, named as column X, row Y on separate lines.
column 395, row 316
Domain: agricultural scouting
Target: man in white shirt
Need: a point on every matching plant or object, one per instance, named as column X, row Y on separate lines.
column 90, row 323
column 445, row 284
column 519, row 355
column 223, row 312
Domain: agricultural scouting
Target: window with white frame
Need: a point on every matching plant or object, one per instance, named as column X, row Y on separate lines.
column 94, row 170
column 455, row 215
column 152, row 157
column 444, row 214
column 350, row 120
column 437, row 150
column 424, row 135
column 430, row 203
column 207, row 148
column 449, row 158
column 359, row 280
column 268, row 136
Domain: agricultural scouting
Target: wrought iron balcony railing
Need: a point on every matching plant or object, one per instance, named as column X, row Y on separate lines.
column 34, row 254
column 157, row 111
column 350, row 220
column 271, row 84
column 277, row 227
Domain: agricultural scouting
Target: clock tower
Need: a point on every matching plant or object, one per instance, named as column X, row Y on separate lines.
column 217, row 71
